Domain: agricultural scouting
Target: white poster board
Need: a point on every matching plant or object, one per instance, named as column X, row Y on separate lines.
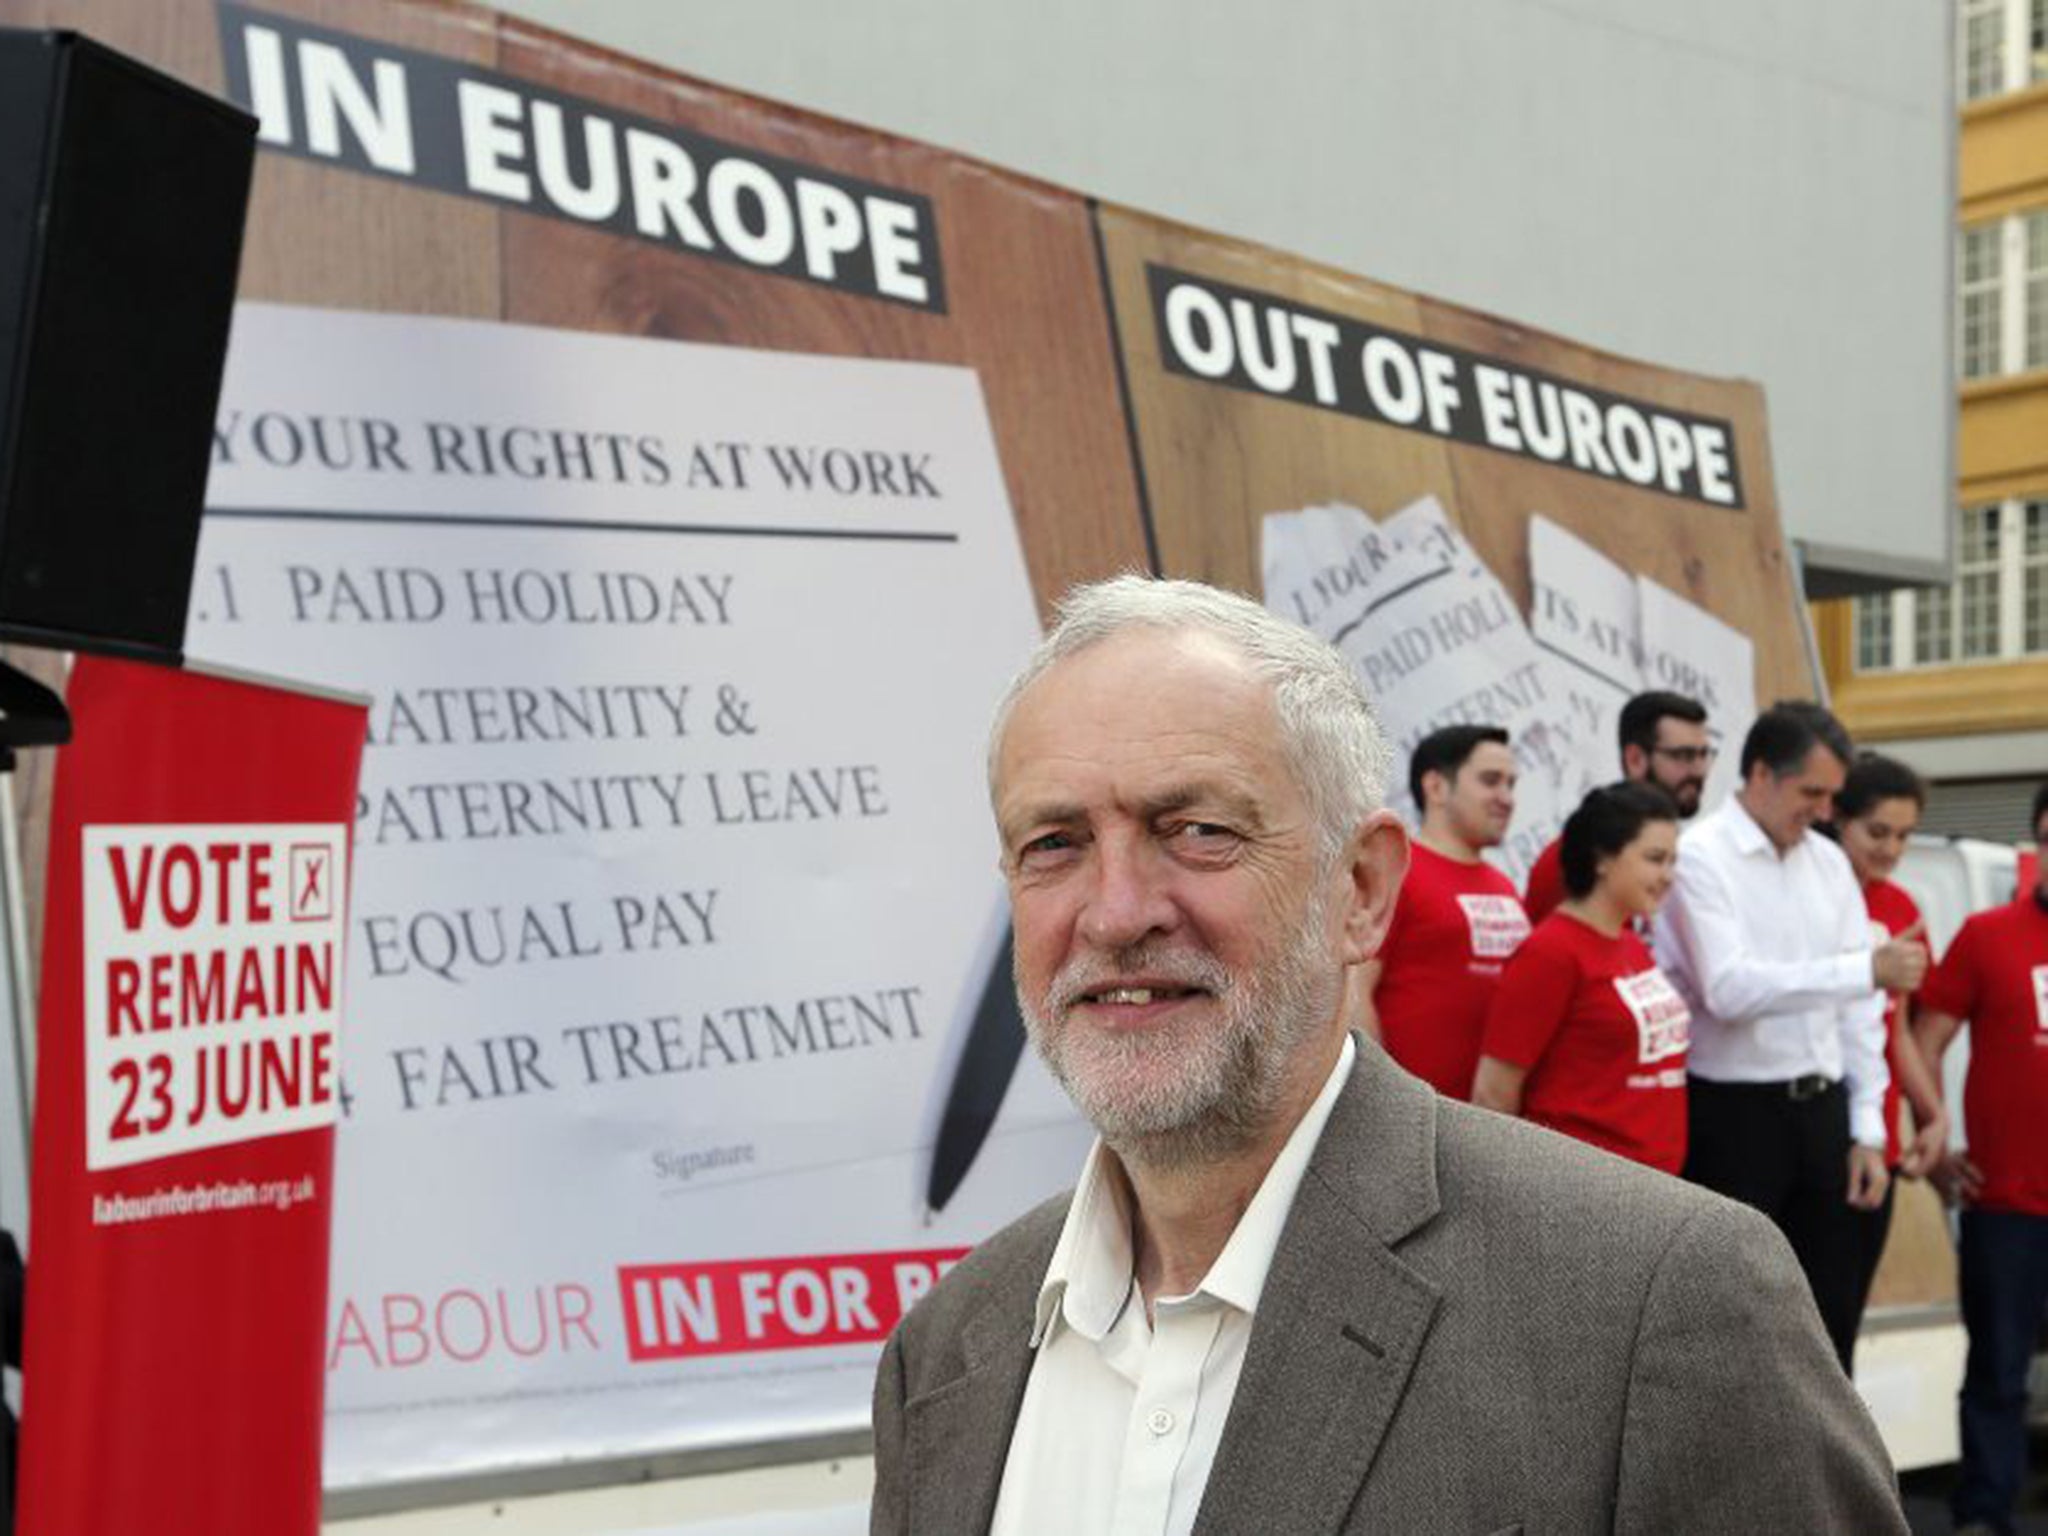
column 1689, row 651
column 1584, row 610
column 1622, row 634
column 674, row 880
column 1436, row 640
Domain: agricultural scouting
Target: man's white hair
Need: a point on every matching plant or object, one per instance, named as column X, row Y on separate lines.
column 1327, row 726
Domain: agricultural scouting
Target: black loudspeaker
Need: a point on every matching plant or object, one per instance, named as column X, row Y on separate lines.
column 122, row 194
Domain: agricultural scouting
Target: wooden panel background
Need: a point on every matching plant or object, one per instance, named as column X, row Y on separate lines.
column 1025, row 300
column 1216, row 459
column 1733, row 563
column 1026, row 310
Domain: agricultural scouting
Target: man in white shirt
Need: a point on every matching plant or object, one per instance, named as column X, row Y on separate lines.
column 1765, row 936
column 1296, row 1290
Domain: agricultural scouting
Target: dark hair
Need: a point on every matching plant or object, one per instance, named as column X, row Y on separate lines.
column 1786, row 732
column 2040, row 810
column 1607, row 821
column 1641, row 716
column 1873, row 778
column 1445, row 751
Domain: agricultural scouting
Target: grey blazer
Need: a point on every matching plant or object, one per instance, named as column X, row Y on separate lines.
column 1471, row 1324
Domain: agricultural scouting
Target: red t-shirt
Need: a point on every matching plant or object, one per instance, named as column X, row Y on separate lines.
column 1603, row 1036
column 1546, row 882
column 1892, row 911
column 1454, row 926
column 1995, row 976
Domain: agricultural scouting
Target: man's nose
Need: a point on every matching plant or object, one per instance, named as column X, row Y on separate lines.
column 1128, row 898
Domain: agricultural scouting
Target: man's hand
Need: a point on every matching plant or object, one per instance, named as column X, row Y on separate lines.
column 1900, row 964
column 1923, row 1154
column 1867, row 1177
column 1959, row 1180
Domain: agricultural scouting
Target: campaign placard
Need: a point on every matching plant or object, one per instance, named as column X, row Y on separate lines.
column 212, row 985
column 675, row 880
column 187, row 1087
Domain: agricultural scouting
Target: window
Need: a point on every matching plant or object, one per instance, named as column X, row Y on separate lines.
column 1976, row 586
column 1996, row 609
column 2034, row 577
column 1982, row 51
column 1934, row 634
column 1873, row 631
column 2036, row 354
column 2001, row 45
column 1980, row 295
column 2002, row 295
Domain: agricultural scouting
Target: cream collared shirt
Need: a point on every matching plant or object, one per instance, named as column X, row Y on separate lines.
column 1121, row 1418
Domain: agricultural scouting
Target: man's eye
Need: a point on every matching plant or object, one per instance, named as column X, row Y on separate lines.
column 1047, row 845
column 1201, row 832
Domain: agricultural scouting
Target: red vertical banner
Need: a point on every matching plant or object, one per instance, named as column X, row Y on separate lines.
column 186, row 1095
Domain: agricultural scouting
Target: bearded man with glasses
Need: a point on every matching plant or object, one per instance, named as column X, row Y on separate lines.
column 1664, row 741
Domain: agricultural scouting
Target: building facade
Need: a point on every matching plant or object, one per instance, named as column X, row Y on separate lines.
column 1954, row 678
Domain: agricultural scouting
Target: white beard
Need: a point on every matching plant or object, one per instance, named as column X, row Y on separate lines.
column 1171, row 1096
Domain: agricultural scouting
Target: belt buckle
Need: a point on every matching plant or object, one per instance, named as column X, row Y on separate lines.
column 1811, row 1086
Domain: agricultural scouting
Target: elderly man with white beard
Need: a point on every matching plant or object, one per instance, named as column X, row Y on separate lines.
column 1294, row 1290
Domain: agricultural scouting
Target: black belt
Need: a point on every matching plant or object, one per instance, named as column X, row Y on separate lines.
column 1797, row 1089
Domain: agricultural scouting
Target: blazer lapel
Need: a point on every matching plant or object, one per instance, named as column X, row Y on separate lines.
column 958, row 1437
column 1341, row 1322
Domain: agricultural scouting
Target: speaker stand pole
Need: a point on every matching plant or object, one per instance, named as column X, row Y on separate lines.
column 31, row 715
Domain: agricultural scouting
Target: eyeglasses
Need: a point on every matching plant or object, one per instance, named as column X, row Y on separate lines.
column 1691, row 757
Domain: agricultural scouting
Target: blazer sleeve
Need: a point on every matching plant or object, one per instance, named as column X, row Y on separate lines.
column 889, row 1513
column 1739, row 1419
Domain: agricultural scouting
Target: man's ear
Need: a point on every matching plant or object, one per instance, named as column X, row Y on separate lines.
column 1374, row 862
column 1635, row 762
column 1436, row 788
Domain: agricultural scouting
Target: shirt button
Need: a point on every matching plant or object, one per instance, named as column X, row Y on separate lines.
column 1160, row 1422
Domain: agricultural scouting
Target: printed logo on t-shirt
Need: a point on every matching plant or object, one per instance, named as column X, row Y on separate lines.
column 1663, row 1022
column 1669, row 1077
column 2041, row 997
column 1498, row 925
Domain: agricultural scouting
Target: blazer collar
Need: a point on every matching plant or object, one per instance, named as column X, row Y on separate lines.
column 1340, row 1324
column 1378, row 1152
column 1343, row 1318
column 957, row 1438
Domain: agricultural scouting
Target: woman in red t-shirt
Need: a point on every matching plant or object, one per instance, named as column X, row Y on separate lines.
column 1585, row 1034
column 1876, row 810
